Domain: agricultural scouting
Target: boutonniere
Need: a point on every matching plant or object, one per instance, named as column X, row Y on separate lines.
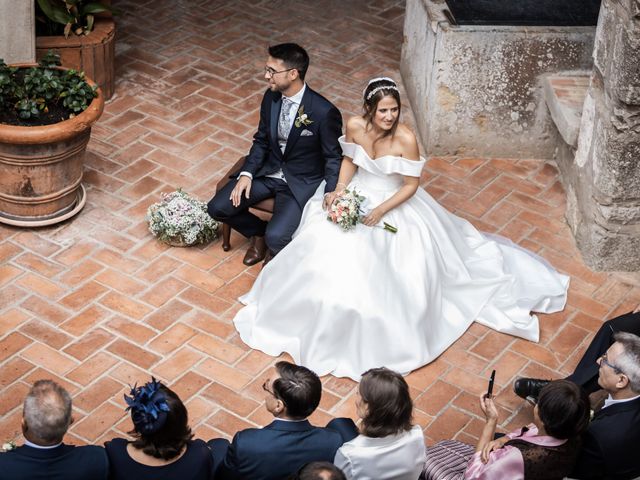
column 8, row 446
column 303, row 118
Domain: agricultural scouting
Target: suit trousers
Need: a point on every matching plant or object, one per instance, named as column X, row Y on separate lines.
column 586, row 373
column 286, row 211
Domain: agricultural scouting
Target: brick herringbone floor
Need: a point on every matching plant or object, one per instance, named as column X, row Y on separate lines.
column 98, row 304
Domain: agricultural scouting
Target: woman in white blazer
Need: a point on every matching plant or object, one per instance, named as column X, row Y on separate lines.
column 389, row 446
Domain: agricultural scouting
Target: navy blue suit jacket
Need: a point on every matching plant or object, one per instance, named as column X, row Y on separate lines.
column 308, row 158
column 610, row 449
column 277, row 450
column 65, row 462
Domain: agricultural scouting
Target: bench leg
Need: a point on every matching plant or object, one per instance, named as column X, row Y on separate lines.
column 226, row 235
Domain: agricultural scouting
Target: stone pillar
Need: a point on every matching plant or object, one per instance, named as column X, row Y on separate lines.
column 604, row 187
column 17, row 31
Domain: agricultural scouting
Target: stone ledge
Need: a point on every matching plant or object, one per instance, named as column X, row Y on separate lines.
column 564, row 95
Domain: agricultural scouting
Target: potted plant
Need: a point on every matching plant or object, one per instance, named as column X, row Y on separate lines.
column 180, row 220
column 82, row 32
column 46, row 114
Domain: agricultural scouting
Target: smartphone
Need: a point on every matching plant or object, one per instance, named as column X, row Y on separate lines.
column 491, row 380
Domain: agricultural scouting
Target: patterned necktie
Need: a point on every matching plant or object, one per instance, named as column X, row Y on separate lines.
column 284, row 123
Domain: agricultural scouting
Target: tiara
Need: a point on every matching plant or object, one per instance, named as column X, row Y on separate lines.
column 377, row 79
column 149, row 407
column 377, row 89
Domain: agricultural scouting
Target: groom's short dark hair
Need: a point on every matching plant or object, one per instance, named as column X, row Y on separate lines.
column 292, row 55
column 299, row 389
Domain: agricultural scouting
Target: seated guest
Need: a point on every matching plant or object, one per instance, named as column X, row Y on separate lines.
column 46, row 416
column 586, row 372
column 388, row 446
column 319, row 471
column 290, row 441
column 609, row 449
column 163, row 447
column 544, row 450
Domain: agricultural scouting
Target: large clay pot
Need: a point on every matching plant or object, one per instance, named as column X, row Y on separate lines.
column 93, row 54
column 41, row 168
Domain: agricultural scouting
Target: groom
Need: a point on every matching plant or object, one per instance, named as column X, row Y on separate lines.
column 295, row 148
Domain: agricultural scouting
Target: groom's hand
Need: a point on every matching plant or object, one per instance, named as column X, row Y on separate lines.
column 242, row 186
column 328, row 200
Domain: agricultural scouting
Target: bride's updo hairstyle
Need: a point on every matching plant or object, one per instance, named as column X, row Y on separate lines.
column 389, row 408
column 376, row 90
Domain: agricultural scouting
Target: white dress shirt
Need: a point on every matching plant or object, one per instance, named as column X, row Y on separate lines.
column 610, row 401
column 398, row 457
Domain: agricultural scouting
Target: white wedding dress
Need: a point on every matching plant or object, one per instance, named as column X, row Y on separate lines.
column 343, row 302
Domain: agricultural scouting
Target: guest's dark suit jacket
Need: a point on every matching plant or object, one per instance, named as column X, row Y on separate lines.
column 309, row 157
column 65, row 462
column 279, row 449
column 611, row 447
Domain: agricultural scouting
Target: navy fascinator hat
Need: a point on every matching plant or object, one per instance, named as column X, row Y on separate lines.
column 149, row 407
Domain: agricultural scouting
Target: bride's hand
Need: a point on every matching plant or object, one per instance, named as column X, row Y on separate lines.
column 373, row 217
column 328, row 200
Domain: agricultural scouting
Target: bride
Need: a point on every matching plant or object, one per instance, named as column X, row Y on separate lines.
column 343, row 302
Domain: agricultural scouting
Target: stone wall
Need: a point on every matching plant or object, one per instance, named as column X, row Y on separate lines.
column 17, row 31
column 476, row 90
column 603, row 179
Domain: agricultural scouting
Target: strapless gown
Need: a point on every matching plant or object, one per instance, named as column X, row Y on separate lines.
column 342, row 302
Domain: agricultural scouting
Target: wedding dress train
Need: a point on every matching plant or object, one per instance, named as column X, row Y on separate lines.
column 343, row 302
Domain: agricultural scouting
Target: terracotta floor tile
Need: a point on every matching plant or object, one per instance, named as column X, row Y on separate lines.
column 40, row 354
column 12, row 396
column 92, row 368
column 136, row 355
column 166, row 315
column 125, row 306
column 12, row 319
column 85, row 320
column 96, row 394
column 175, row 365
column 45, row 333
column 37, row 264
column 164, row 291
column 171, row 339
column 99, row 421
column 115, row 306
column 12, row 370
column 190, row 384
column 83, row 296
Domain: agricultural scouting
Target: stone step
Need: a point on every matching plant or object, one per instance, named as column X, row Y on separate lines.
column 564, row 93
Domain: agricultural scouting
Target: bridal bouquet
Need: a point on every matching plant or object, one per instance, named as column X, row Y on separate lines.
column 181, row 220
column 347, row 211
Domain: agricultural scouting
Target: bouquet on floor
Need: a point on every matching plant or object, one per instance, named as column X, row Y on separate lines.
column 180, row 220
column 347, row 210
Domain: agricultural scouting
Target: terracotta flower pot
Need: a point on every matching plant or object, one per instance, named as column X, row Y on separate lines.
column 93, row 54
column 42, row 168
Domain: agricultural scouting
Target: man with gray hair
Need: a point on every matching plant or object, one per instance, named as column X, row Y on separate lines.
column 610, row 449
column 46, row 416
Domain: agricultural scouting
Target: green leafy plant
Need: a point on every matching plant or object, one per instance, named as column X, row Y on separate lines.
column 31, row 91
column 66, row 16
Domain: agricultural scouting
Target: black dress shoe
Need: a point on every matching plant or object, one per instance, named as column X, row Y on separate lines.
column 529, row 387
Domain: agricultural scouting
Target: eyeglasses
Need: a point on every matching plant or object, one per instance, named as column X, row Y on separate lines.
column 603, row 359
column 270, row 72
column 265, row 387
column 533, row 401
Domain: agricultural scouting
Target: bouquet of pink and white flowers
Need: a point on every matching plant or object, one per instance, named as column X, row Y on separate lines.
column 346, row 211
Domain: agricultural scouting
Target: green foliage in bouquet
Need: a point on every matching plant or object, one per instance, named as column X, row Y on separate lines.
column 181, row 220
